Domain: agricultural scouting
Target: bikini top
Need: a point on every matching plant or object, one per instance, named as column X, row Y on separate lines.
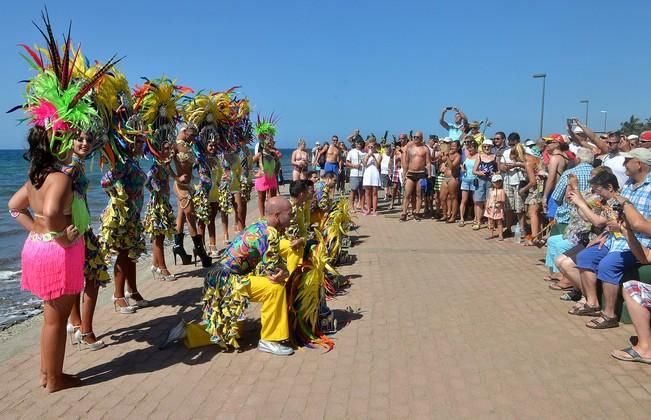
column 185, row 156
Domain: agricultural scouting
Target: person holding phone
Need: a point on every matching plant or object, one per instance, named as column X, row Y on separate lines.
column 455, row 129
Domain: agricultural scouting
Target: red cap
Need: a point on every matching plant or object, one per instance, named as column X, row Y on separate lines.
column 555, row 137
column 645, row 136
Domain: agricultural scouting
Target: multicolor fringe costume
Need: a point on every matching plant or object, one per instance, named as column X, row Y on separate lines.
column 255, row 251
column 95, row 267
column 159, row 217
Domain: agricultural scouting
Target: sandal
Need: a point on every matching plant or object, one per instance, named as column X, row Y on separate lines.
column 571, row 295
column 539, row 243
column 630, row 355
column 550, row 279
column 602, row 322
column 462, row 223
column 476, row 226
column 584, row 310
column 527, row 243
column 403, row 217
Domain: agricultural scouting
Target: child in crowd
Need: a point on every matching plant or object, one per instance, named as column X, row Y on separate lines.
column 495, row 207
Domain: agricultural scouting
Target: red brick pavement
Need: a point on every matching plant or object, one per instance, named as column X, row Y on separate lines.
column 450, row 326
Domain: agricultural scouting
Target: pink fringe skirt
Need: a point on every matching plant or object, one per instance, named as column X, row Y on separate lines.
column 265, row 182
column 50, row 270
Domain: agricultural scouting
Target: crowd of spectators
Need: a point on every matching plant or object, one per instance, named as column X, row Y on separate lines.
column 583, row 196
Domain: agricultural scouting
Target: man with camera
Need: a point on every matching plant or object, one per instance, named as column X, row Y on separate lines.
column 456, row 128
column 608, row 257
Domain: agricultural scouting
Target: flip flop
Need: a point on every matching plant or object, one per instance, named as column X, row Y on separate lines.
column 633, row 356
column 550, row 279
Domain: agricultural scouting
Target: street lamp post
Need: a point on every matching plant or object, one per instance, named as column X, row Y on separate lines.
column 587, row 104
column 605, row 119
column 542, row 107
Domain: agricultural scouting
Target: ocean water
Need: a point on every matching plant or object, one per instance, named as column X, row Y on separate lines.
column 17, row 305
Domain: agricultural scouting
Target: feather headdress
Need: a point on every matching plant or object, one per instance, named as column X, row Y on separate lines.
column 266, row 127
column 55, row 98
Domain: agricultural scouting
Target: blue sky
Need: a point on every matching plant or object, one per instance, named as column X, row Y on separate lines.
column 328, row 67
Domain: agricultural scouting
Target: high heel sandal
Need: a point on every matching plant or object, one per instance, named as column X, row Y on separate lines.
column 155, row 271
column 122, row 309
column 81, row 342
column 163, row 277
column 142, row 303
column 72, row 330
column 178, row 249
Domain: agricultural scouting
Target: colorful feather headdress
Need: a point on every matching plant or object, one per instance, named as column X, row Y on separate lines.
column 55, row 98
column 219, row 117
column 266, row 127
column 158, row 103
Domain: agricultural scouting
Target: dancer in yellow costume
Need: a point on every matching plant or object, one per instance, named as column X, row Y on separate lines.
column 251, row 269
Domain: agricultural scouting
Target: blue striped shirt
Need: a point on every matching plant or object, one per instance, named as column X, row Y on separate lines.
column 582, row 172
column 640, row 196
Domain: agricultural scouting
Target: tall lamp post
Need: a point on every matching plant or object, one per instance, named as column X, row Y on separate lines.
column 587, row 104
column 542, row 108
column 605, row 119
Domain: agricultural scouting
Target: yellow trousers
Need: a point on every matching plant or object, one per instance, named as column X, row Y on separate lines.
column 292, row 257
column 274, row 312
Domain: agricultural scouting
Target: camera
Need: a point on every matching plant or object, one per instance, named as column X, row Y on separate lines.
column 619, row 209
column 449, row 108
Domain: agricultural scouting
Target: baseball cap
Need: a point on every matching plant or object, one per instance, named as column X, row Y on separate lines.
column 645, row 136
column 530, row 142
column 632, row 137
column 554, row 137
column 317, row 143
column 449, row 140
column 642, row 154
column 496, row 177
column 487, row 141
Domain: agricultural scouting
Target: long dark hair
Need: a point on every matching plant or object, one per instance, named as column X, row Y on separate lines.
column 42, row 161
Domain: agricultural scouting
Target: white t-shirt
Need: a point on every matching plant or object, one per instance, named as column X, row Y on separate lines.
column 616, row 164
column 384, row 164
column 512, row 176
column 356, row 157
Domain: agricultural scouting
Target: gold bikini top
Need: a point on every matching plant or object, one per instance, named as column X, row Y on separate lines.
column 185, row 156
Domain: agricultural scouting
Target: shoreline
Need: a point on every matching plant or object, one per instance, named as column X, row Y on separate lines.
column 25, row 334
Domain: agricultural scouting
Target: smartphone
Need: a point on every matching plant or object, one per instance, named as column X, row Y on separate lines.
column 448, row 108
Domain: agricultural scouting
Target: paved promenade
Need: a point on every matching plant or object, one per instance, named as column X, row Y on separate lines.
column 443, row 325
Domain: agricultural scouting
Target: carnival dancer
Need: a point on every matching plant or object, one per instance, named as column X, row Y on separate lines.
column 80, row 326
column 121, row 233
column 215, row 196
column 246, row 180
column 251, row 269
column 159, row 221
column 267, row 161
column 184, row 160
column 53, row 256
column 293, row 242
column 321, row 202
column 233, row 164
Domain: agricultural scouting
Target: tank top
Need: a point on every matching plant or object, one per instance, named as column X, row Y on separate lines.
column 489, row 168
column 469, row 165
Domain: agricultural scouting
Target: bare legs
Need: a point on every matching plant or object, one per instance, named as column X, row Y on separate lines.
column 479, row 212
column 82, row 312
column 408, row 196
column 53, row 344
column 534, row 216
column 159, row 254
column 125, row 274
column 240, row 217
column 211, row 228
column 462, row 209
column 371, row 198
column 452, row 202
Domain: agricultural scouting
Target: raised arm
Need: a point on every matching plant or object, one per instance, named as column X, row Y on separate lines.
column 602, row 145
column 442, row 121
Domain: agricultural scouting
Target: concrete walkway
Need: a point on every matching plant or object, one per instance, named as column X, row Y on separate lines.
column 443, row 325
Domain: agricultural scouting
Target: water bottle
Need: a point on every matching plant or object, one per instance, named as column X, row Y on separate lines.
column 517, row 234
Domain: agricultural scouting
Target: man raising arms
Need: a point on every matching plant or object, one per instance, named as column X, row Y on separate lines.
column 416, row 164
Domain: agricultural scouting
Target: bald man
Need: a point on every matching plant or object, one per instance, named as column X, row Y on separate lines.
column 251, row 269
column 416, row 165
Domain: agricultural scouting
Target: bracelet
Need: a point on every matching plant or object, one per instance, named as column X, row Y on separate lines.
column 17, row 212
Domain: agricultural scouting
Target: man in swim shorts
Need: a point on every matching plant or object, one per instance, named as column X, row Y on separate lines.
column 332, row 156
column 416, row 164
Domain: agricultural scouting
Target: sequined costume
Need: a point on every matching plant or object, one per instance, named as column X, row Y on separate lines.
column 321, row 197
column 253, row 254
column 121, row 226
column 202, row 190
column 246, row 179
column 95, row 267
column 159, row 217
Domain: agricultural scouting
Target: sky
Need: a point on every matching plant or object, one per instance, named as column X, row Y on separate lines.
column 328, row 67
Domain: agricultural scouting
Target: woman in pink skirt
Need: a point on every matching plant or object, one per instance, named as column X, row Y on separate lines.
column 53, row 256
column 268, row 161
column 52, row 259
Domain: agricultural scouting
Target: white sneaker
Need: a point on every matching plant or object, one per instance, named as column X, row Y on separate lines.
column 274, row 347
